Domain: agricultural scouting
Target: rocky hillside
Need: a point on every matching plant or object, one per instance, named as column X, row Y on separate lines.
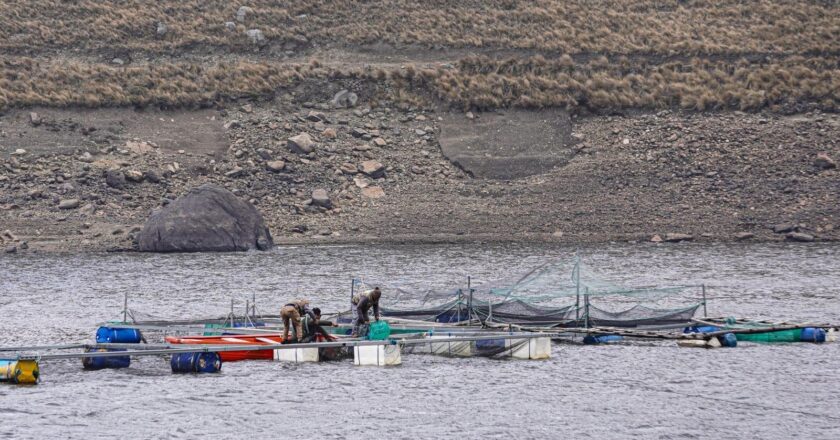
column 570, row 121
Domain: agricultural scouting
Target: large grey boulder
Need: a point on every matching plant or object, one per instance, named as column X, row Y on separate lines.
column 206, row 219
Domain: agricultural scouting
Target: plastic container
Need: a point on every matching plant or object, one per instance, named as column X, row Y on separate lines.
column 701, row 329
column 19, row 371
column 379, row 331
column 728, row 340
column 811, row 334
column 201, row 362
column 601, row 339
column 108, row 335
column 794, row 335
column 107, row 362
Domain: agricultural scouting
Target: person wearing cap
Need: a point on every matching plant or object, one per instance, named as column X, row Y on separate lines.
column 292, row 312
column 312, row 325
column 361, row 305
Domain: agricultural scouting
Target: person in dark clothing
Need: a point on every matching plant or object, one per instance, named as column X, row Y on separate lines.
column 312, row 325
column 362, row 304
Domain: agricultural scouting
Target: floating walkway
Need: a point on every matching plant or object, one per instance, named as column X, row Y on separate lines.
column 22, row 363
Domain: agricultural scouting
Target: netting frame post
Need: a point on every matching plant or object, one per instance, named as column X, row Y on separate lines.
column 703, row 290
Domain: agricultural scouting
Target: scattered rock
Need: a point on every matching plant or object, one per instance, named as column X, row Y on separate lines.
column 380, row 142
column 301, row 144
column 349, row 168
column 256, row 36
column 230, row 26
column 744, row 236
column 139, row 147
column 416, row 170
column 206, row 219
column 372, row 168
column 315, row 116
column 784, row 228
column 86, row 157
column 344, row 99
column 824, row 162
column 329, row 133
column 11, row 249
column 68, row 204
column 161, row 29
column 275, row 166
column 7, row 235
column 232, row 124
column 656, row 239
column 358, row 132
column 152, row 176
column 19, row 152
column 242, row 13
column 34, row 119
column 673, row 237
column 235, row 172
column 373, row 192
column 133, row 176
column 321, row 198
column 88, row 209
column 470, row 115
column 361, row 182
column 799, row 237
column 115, row 178
column 24, row 245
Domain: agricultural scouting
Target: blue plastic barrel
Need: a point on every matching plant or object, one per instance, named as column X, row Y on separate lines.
column 701, row 329
column 728, row 340
column 101, row 363
column 248, row 324
column 108, row 335
column 811, row 334
column 601, row 339
column 196, row 363
column 486, row 344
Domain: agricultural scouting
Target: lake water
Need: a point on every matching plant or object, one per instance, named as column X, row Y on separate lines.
column 633, row 390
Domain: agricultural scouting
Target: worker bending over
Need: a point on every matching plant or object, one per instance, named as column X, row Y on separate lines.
column 361, row 305
column 292, row 312
column 312, row 326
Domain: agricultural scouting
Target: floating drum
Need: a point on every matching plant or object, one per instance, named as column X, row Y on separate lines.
column 811, row 334
column 701, row 329
column 105, row 362
column 297, row 355
column 209, row 362
column 728, row 340
column 19, row 371
column 602, row 339
column 108, row 335
column 377, row 355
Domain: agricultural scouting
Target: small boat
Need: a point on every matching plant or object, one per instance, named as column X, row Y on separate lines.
column 233, row 356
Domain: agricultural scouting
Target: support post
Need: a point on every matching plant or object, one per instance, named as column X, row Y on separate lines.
column 125, row 308
column 470, row 299
column 586, row 308
column 577, row 289
column 703, row 288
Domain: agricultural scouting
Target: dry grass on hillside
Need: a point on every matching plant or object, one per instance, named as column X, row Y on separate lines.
column 661, row 27
column 476, row 82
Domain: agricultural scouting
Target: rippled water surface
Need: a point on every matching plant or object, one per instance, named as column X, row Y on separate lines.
column 639, row 390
